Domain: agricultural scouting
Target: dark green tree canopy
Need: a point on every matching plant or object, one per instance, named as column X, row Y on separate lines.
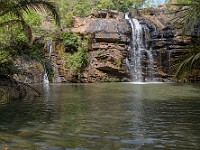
column 12, row 12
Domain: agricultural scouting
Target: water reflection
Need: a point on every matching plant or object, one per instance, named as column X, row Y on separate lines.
column 104, row 116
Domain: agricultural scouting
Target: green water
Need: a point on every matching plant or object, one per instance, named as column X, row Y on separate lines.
column 121, row 116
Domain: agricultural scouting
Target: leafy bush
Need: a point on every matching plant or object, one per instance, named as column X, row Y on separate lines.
column 72, row 41
column 77, row 60
column 4, row 57
column 76, row 48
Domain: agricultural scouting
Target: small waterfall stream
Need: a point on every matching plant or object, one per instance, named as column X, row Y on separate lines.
column 49, row 51
column 45, row 77
column 138, row 53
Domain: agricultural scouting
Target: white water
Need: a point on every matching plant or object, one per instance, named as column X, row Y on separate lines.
column 49, row 51
column 45, row 77
column 50, row 48
column 138, row 52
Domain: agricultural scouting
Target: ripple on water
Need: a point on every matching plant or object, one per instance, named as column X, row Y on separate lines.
column 139, row 141
column 121, row 116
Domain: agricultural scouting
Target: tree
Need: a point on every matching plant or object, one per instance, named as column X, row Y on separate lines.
column 125, row 5
column 188, row 14
column 13, row 19
column 189, row 18
column 14, row 10
column 189, row 63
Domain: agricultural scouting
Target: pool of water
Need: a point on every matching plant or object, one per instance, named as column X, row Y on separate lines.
column 107, row 116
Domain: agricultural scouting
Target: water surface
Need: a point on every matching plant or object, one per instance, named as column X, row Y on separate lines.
column 107, row 116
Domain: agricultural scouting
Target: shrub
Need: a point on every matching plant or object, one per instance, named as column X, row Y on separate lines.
column 76, row 48
column 72, row 41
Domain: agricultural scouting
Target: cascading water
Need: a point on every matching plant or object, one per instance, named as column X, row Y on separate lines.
column 138, row 53
column 45, row 77
column 49, row 50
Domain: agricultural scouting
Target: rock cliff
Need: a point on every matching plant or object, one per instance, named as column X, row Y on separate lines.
column 107, row 48
column 110, row 36
column 166, row 39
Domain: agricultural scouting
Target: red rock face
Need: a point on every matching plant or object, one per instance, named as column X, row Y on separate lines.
column 166, row 39
column 108, row 48
column 110, row 37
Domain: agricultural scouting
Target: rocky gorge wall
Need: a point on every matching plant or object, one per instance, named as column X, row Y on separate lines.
column 165, row 40
column 110, row 39
column 107, row 49
column 110, row 36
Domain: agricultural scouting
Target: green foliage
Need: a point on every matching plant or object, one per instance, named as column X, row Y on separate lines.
column 35, row 21
column 68, row 9
column 33, row 18
column 77, row 60
column 7, row 67
column 103, row 4
column 126, row 5
column 188, row 14
column 14, row 12
column 10, row 32
column 65, row 9
column 16, row 20
column 5, row 57
column 71, row 40
column 82, row 8
column 76, row 48
column 187, row 63
column 188, row 17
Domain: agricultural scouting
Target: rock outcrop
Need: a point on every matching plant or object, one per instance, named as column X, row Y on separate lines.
column 108, row 49
column 33, row 71
column 165, row 39
column 110, row 37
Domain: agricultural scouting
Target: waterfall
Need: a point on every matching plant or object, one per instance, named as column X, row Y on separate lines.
column 49, row 51
column 140, row 59
column 50, row 48
column 45, row 77
column 55, row 67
